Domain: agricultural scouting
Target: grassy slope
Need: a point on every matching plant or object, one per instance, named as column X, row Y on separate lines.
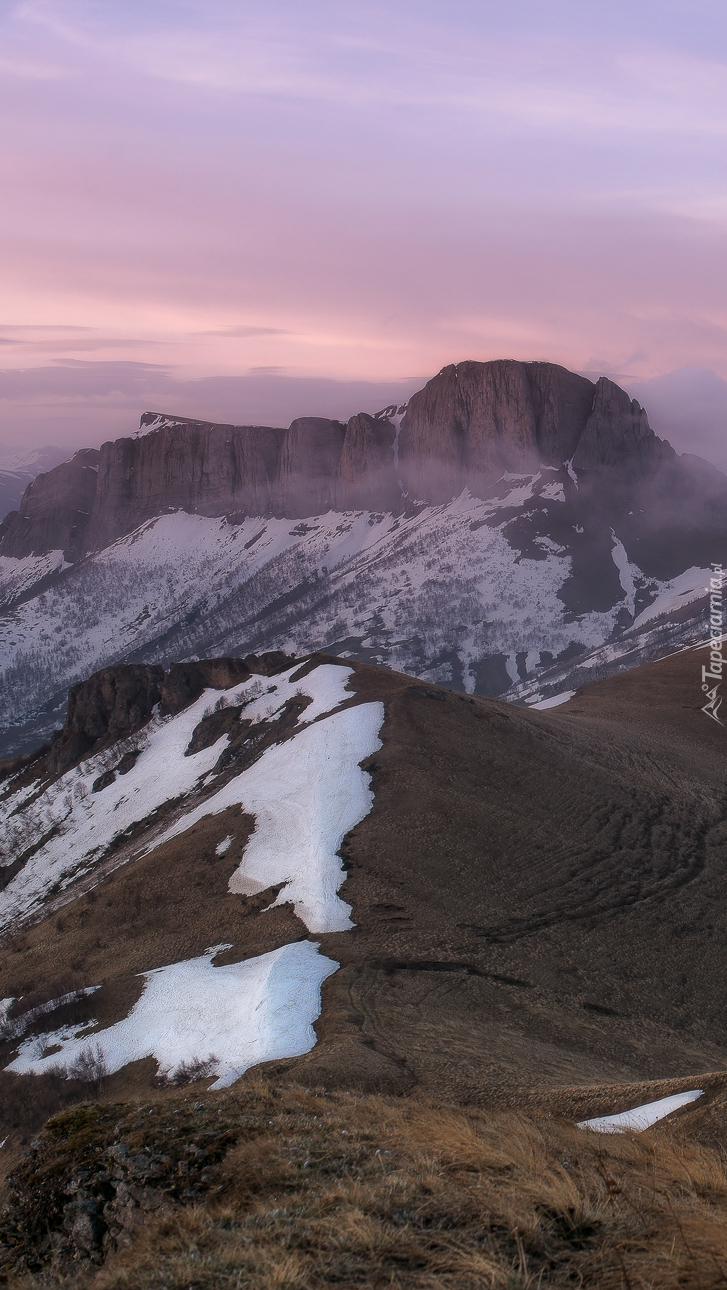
column 269, row 1186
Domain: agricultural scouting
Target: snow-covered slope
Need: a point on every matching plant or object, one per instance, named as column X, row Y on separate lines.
column 477, row 594
column 305, row 792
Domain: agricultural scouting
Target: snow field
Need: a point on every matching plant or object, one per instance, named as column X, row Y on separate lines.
column 241, row 1014
column 442, row 582
column 19, row 575
column 87, row 822
column 680, row 591
column 641, row 1117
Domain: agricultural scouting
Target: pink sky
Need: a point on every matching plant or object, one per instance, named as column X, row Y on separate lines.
column 246, row 211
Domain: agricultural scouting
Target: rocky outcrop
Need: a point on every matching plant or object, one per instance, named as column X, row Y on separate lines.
column 55, row 510
column 118, row 701
column 111, row 704
column 618, row 438
column 367, row 475
column 195, row 466
column 468, row 426
column 475, row 421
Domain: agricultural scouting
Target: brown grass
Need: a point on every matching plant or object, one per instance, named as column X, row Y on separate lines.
column 341, row 1190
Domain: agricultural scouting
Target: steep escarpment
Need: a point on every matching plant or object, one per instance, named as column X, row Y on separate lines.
column 474, row 421
column 54, row 511
column 193, row 466
column 470, row 424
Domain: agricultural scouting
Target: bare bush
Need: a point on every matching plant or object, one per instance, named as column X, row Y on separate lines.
column 90, row 1066
column 110, row 757
column 188, row 1072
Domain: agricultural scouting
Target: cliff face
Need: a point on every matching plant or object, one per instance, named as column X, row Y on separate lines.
column 367, row 477
column 310, row 454
column 117, row 701
column 618, row 438
column 470, row 424
column 55, row 510
column 183, row 465
column 474, row 421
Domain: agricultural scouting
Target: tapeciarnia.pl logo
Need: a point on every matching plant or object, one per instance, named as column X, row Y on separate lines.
column 712, row 675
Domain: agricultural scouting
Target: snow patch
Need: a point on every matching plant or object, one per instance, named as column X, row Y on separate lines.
column 554, row 701
column 79, row 824
column 629, row 574
column 306, row 794
column 553, row 492
column 690, row 585
column 641, row 1117
column 241, row 1014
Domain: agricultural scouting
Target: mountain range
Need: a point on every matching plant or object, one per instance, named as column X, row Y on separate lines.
column 515, row 529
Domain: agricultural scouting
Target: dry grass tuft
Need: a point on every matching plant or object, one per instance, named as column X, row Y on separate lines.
column 341, row 1190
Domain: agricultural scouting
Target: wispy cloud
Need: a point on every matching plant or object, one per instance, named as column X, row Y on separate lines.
column 215, row 188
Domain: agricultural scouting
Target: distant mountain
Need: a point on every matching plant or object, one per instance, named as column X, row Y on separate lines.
column 511, row 522
column 366, row 881
column 19, row 467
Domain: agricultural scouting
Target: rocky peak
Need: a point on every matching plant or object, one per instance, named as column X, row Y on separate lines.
column 618, row 438
column 475, row 421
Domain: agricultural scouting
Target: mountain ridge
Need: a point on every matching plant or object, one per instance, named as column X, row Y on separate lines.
column 470, row 423
column 554, row 561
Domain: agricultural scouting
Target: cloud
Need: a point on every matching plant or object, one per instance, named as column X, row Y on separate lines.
column 355, row 192
column 84, row 403
column 76, row 379
column 242, row 331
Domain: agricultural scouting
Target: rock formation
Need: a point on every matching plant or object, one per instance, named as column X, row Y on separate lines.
column 183, row 465
column 367, row 466
column 475, row 421
column 117, row 701
column 55, row 510
column 618, row 438
column 470, row 424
